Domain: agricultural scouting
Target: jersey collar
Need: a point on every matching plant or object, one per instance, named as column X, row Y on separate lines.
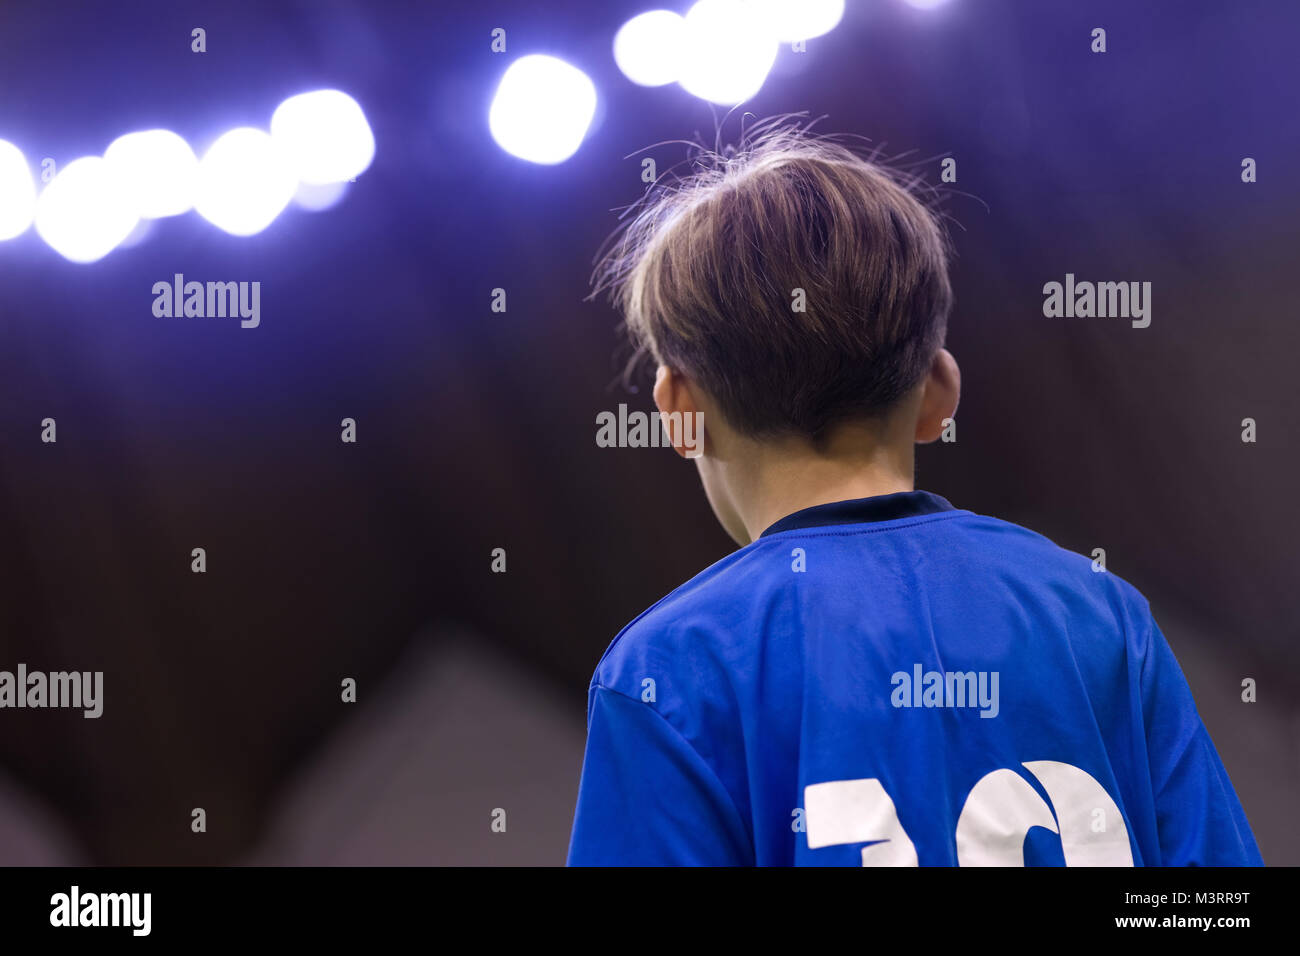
column 902, row 504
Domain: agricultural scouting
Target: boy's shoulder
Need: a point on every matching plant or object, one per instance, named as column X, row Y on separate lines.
column 696, row 621
column 703, row 627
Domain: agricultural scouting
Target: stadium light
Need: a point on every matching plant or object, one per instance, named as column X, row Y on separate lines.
column 793, row 20
column 245, row 181
column 319, row 142
column 86, row 212
column 324, row 135
column 542, row 109
column 728, row 51
column 17, row 192
column 158, row 170
column 648, row 48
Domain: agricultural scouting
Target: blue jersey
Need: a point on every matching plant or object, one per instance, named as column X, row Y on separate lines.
column 893, row 681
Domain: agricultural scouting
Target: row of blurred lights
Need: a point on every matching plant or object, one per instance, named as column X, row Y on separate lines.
column 719, row 50
column 317, row 142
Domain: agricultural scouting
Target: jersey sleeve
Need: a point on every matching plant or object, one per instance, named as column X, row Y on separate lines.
column 646, row 797
column 1198, row 816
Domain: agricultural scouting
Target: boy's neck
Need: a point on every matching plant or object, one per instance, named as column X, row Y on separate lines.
column 852, row 463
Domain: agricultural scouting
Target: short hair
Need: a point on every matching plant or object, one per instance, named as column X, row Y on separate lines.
column 707, row 271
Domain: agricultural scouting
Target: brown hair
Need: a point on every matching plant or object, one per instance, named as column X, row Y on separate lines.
column 707, row 270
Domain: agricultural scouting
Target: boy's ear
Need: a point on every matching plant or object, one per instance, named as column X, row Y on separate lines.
column 939, row 395
column 682, row 414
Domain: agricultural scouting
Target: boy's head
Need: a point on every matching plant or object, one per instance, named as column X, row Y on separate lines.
column 798, row 295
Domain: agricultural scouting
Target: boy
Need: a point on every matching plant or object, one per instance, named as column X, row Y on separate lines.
column 875, row 677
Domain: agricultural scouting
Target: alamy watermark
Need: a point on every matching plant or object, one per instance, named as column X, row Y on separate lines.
column 946, row 689
column 199, row 300
column 82, row 690
column 75, row 908
column 1103, row 300
column 638, row 429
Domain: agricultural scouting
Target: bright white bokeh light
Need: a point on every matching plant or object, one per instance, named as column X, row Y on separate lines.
column 325, row 136
column 315, row 198
column 648, row 48
column 139, row 235
column 245, row 181
column 728, row 52
column 17, row 192
column 85, row 213
column 542, row 109
column 159, row 171
column 792, row 20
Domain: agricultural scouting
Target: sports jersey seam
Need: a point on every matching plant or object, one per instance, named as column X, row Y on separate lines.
column 819, row 533
column 755, row 545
